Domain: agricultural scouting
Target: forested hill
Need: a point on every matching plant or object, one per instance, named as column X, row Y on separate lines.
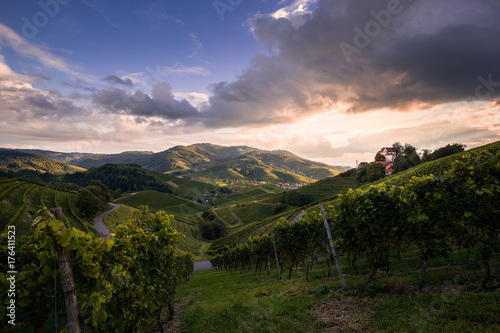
column 16, row 160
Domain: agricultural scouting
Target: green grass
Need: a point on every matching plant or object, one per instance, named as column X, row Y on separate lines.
column 467, row 312
column 117, row 217
column 220, row 301
column 241, row 303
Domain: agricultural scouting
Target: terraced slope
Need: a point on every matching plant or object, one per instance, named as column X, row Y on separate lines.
column 20, row 201
column 163, row 201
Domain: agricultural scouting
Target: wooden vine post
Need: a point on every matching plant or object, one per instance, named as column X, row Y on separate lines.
column 276, row 254
column 68, row 283
column 332, row 247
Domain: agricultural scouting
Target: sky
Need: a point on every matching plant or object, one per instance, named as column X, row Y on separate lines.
column 329, row 80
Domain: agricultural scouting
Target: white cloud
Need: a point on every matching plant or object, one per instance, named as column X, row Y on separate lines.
column 194, row 98
column 198, row 46
column 9, row 38
column 297, row 12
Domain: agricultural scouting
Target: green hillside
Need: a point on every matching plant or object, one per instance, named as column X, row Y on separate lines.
column 189, row 188
column 163, row 201
column 20, row 200
column 435, row 167
column 16, row 160
column 328, row 187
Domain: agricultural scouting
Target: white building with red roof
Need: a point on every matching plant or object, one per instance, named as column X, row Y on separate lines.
column 389, row 153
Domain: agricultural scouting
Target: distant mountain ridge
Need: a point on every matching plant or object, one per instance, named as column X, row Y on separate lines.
column 210, row 161
column 90, row 160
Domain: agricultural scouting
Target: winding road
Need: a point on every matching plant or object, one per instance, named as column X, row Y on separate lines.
column 102, row 229
column 296, row 218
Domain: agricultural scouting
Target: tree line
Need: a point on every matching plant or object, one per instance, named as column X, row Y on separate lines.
column 120, row 178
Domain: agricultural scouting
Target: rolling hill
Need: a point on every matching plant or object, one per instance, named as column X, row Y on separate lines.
column 208, row 162
column 17, row 160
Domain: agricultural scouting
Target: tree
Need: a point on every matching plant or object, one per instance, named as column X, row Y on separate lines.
column 207, row 230
column 407, row 157
column 212, row 229
column 398, row 147
column 380, row 157
column 90, row 201
column 375, row 171
column 361, row 175
column 448, row 150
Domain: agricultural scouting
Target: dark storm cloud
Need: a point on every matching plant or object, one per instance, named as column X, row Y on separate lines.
column 44, row 104
column 113, row 79
column 161, row 103
column 367, row 55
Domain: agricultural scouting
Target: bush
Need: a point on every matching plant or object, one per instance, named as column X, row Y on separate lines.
column 211, row 230
column 277, row 208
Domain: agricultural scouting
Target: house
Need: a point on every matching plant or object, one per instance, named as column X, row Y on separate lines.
column 362, row 164
column 389, row 153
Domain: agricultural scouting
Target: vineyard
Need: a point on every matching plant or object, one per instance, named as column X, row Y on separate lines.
column 20, row 200
column 122, row 284
column 429, row 216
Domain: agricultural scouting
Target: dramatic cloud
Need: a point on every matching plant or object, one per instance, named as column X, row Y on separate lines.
column 161, row 103
column 20, row 101
column 358, row 56
column 113, row 79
